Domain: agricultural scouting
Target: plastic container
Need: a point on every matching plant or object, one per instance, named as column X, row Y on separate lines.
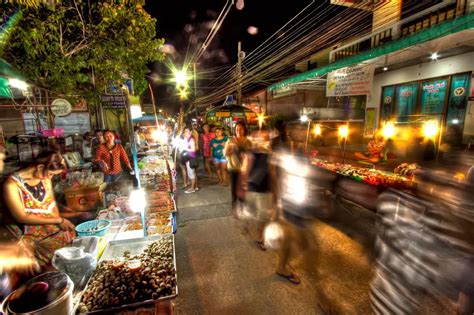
column 93, row 228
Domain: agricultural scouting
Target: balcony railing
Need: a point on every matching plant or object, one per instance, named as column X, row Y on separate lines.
column 437, row 14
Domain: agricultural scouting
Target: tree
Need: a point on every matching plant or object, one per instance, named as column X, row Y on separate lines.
column 76, row 48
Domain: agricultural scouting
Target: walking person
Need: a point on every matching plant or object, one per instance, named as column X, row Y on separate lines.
column 256, row 187
column 218, row 157
column 234, row 150
column 189, row 157
column 206, row 138
column 301, row 199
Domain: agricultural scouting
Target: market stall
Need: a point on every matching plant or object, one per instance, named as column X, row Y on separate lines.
column 125, row 258
column 363, row 185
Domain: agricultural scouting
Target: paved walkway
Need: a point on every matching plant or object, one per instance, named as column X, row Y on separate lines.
column 221, row 271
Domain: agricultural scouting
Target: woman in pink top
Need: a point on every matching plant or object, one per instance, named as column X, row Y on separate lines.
column 207, row 136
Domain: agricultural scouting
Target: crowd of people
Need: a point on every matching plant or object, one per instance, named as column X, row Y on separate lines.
column 264, row 186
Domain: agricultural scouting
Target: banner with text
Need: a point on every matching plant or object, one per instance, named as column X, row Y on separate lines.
column 350, row 81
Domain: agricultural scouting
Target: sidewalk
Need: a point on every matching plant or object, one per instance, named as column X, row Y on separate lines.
column 221, row 271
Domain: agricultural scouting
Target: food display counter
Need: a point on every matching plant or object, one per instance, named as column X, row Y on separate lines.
column 132, row 274
column 361, row 185
column 136, row 272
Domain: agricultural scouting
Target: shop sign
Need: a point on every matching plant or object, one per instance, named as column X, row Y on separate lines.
column 223, row 114
column 386, row 109
column 81, row 105
column 432, row 96
column 406, row 101
column 458, row 99
column 114, row 101
column 61, row 107
column 370, row 127
column 350, row 81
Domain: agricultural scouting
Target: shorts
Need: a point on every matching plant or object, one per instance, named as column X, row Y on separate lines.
column 260, row 205
column 296, row 220
column 219, row 160
column 191, row 172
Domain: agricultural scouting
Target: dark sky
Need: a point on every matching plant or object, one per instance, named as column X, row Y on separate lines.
column 179, row 20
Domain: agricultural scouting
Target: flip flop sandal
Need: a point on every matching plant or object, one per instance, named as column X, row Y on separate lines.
column 290, row 277
column 261, row 246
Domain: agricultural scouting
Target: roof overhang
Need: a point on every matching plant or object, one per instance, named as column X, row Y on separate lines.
column 443, row 37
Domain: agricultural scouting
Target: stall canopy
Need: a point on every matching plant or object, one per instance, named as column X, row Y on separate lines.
column 6, row 72
column 437, row 31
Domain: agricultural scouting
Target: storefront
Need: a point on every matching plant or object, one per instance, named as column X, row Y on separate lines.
column 437, row 90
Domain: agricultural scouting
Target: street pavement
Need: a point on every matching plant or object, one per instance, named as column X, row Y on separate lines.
column 221, row 271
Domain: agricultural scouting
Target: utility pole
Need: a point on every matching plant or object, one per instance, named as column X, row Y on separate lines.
column 239, row 74
column 195, row 89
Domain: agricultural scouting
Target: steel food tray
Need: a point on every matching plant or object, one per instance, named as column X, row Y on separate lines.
column 115, row 249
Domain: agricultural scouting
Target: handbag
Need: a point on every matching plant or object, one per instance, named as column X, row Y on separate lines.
column 184, row 157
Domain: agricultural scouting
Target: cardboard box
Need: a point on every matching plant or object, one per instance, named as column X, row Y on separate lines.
column 85, row 198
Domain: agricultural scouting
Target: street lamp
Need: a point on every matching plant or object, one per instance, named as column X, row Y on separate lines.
column 343, row 133
column 317, row 130
column 388, row 130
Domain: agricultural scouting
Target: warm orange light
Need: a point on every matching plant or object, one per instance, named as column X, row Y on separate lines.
column 343, row 131
column 261, row 120
column 430, row 129
column 388, row 130
column 317, row 130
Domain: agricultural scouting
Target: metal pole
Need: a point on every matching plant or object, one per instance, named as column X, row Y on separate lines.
column 307, row 136
column 344, row 151
column 440, row 137
column 239, row 74
column 195, row 89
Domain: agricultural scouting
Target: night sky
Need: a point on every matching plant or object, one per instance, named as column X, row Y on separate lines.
column 180, row 20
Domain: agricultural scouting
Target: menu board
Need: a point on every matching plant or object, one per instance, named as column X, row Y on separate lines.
column 406, row 100
column 433, row 94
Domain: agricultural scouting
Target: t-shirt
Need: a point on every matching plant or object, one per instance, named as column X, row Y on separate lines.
column 217, row 147
column 206, row 143
column 259, row 176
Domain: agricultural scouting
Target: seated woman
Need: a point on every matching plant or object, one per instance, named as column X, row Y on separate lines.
column 33, row 213
column 110, row 155
column 375, row 150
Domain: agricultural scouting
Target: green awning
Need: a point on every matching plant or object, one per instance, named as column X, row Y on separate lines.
column 6, row 70
column 449, row 27
column 4, row 88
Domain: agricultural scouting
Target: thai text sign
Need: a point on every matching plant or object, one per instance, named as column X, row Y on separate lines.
column 350, row 81
column 116, row 101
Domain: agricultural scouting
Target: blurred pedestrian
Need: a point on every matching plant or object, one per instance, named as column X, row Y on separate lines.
column 234, row 149
column 218, row 157
column 256, row 187
column 299, row 200
column 188, row 156
column 206, row 138
column 110, row 156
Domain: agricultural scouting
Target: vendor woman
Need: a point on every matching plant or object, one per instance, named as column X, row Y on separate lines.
column 34, row 216
column 110, row 155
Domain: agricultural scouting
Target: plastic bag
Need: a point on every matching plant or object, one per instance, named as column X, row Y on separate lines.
column 74, row 262
column 273, row 235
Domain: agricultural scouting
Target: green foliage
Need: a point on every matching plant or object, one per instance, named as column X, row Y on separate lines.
column 76, row 47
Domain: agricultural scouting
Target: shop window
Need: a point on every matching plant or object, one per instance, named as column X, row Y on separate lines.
column 406, row 101
column 386, row 110
column 458, row 96
column 433, row 94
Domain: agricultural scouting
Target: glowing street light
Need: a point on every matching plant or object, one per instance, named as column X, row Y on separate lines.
column 430, row 129
column 388, row 130
column 181, row 77
column 304, row 118
column 343, row 131
column 317, row 130
column 183, row 94
column 261, row 120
